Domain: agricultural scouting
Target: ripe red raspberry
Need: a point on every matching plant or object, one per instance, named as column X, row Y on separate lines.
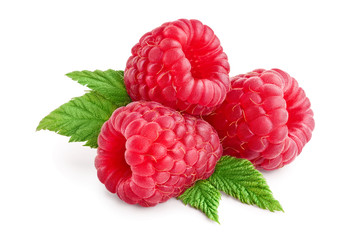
column 266, row 118
column 180, row 64
column 149, row 153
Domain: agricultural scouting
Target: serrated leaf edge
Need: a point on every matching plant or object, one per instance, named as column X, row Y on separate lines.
column 73, row 136
column 100, row 76
column 247, row 164
column 213, row 214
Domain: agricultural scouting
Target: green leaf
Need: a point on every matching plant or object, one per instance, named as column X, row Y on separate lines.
column 110, row 84
column 203, row 196
column 239, row 179
column 80, row 119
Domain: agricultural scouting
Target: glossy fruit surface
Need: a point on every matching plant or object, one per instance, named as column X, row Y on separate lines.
column 149, row 153
column 180, row 64
column 266, row 118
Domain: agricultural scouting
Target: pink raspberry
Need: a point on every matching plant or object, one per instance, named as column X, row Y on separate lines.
column 180, row 64
column 149, row 153
column 266, row 118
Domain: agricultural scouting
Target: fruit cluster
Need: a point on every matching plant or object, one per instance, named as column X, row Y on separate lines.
column 186, row 113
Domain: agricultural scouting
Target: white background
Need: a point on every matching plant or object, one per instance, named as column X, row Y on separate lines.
column 49, row 188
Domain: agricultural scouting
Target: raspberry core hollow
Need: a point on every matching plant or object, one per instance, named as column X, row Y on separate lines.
column 180, row 64
column 149, row 153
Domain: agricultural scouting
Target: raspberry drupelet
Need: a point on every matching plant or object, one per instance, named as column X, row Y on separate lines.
column 266, row 118
column 149, row 153
column 180, row 64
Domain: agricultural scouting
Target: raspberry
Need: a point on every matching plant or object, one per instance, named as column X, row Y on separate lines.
column 180, row 64
column 266, row 118
column 149, row 153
